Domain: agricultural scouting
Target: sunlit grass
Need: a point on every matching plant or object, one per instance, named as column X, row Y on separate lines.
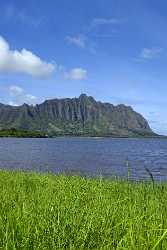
column 40, row 211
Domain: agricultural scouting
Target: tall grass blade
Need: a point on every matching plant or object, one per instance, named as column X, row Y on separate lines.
column 160, row 240
column 150, row 174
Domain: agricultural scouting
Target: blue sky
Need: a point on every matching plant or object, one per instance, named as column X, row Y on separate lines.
column 114, row 50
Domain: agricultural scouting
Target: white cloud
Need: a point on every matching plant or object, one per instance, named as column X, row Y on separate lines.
column 82, row 42
column 76, row 74
column 104, row 21
column 19, row 96
column 79, row 41
column 13, row 14
column 149, row 54
column 15, row 90
column 24, row 61
column 11, row 103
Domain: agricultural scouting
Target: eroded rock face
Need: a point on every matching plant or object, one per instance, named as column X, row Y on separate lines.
column 76, row 116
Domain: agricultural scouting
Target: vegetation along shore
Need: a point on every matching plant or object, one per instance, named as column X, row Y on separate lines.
column 43, row 211
column 21, row 133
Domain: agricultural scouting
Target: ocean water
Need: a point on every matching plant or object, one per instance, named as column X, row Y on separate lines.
column 87, row 156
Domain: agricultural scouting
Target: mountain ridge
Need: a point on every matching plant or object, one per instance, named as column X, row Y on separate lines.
column 76, row 116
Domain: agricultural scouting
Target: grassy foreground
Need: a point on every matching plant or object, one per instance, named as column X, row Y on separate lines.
column 57, row 212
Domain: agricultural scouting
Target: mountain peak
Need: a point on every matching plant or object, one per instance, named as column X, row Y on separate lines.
column 82, row 116
column 86, row 97
column 83, row 96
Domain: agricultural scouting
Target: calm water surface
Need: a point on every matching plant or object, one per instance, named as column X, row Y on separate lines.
column 87, row 156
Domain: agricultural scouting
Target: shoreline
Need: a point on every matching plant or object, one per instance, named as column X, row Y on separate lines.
column 93, row 137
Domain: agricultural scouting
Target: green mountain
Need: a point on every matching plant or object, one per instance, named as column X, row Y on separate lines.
column 75, row 116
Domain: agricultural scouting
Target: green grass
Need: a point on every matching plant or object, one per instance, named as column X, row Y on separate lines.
column 57, row 212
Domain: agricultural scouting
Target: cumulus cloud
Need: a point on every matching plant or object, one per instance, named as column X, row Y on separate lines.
column 24, row 61
column 76, row 74
column 79, row 40
column 19, row 96
column 149, row 54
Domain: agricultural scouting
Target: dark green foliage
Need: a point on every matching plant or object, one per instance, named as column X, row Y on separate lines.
column 21, row 133
column 58, row 212
column 77, row 116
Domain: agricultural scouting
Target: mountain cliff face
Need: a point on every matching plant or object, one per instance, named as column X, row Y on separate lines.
column 76, row 116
